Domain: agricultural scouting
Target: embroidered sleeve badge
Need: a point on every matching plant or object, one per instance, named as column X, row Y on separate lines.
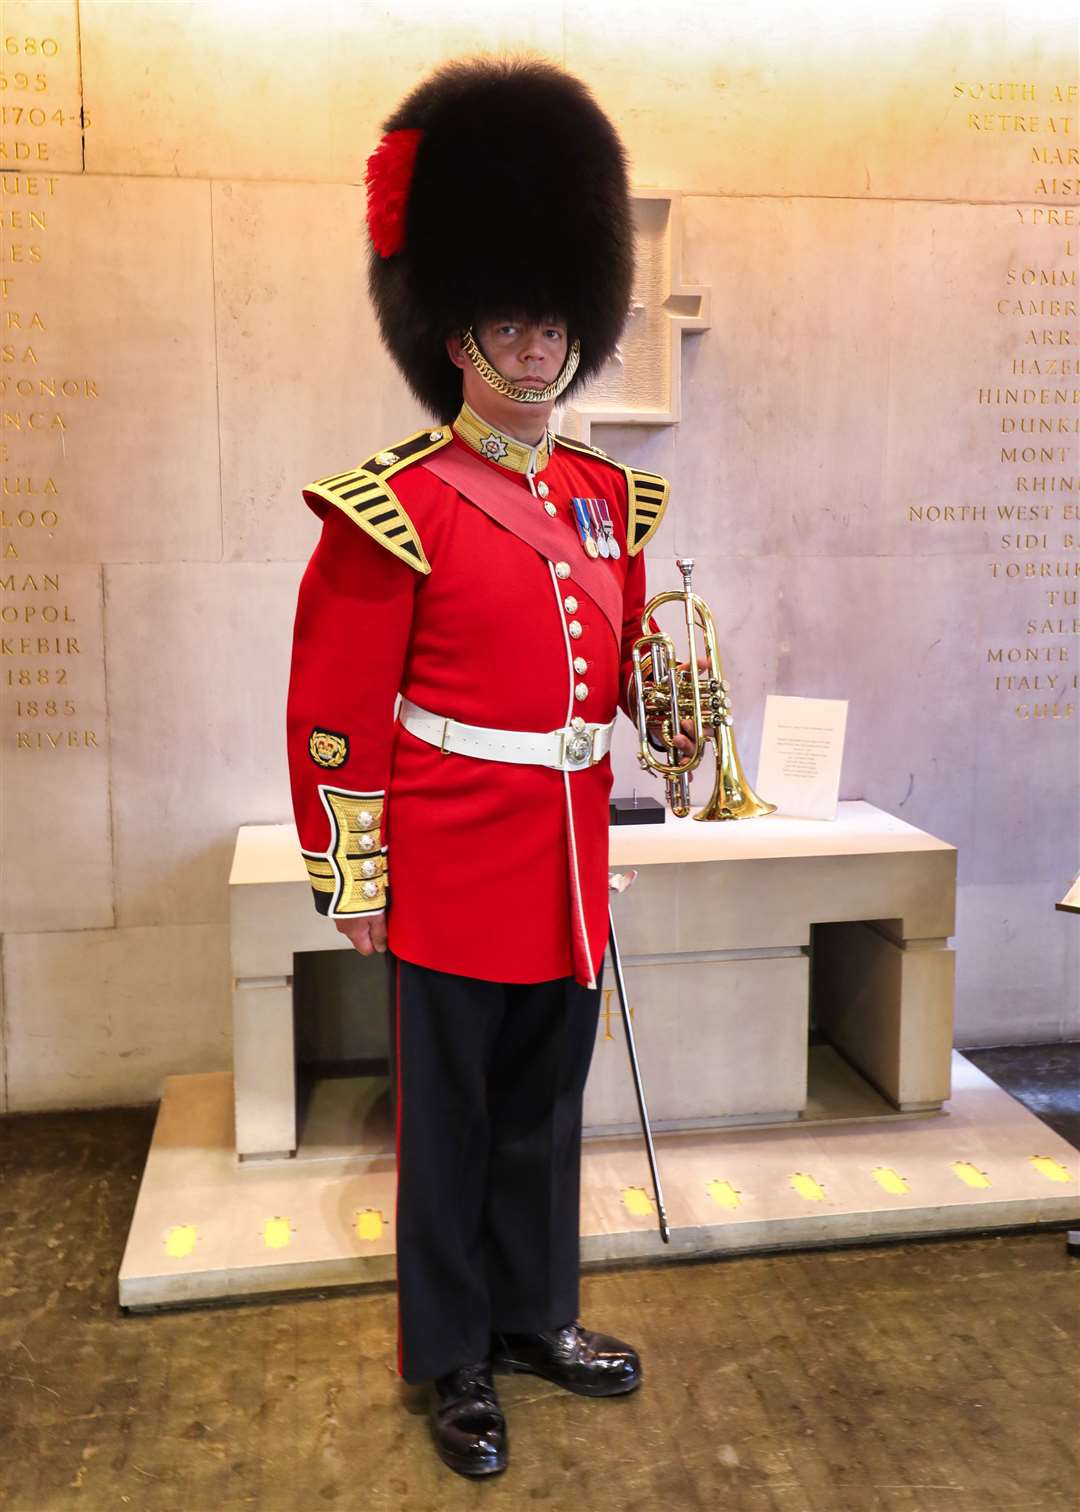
column 328, row 748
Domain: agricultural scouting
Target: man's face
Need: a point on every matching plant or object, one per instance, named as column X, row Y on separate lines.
column 529, row 353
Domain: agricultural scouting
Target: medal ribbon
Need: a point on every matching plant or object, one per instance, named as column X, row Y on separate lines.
column 584, row 525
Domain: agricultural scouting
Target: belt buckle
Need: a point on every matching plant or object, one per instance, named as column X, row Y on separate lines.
column 577, row 747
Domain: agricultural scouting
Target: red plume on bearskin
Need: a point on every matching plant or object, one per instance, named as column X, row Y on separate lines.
column 388, row 177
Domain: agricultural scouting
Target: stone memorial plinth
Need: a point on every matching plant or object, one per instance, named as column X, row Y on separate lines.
column 717, row 934
column 723, row 933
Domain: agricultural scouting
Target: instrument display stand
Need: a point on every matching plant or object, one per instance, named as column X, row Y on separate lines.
column 637, row 810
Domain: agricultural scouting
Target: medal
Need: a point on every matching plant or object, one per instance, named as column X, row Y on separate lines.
column 584, row 525
column 598, row 527
column 614, row 550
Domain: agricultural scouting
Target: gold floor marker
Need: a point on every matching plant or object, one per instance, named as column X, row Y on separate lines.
column 1052, row 1169
column 637, row 1201
column 723, row 1193
column 970, row 1174
column 807, row 1187
column 276, row 1233
column 369, row 1224
column 889, row 1181
column 180, row 1240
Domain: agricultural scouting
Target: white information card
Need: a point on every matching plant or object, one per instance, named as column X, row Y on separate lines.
column 802, row 748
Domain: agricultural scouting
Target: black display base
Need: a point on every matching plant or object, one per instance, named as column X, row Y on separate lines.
column 636, row 811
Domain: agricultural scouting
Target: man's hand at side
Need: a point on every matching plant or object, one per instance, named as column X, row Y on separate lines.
column 368, row 936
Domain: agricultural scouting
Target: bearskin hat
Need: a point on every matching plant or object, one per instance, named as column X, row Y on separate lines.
column 499, row 188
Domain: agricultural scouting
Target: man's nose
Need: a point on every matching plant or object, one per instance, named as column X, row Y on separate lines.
column 533, row 347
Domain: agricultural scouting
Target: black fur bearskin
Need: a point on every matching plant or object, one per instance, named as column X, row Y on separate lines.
column 518, row 205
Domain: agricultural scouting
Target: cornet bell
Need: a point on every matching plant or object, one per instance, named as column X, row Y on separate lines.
column 732, row 796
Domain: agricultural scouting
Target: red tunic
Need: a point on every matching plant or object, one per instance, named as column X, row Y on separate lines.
column 491, row 870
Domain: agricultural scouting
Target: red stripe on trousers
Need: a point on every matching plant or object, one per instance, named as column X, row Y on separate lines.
column 397, row 1157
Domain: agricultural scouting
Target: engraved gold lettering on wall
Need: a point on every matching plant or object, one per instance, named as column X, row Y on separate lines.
column 1039, row 118
column 606, row 1011
column 43, row 403
column 42, row 123
column 1028, row 408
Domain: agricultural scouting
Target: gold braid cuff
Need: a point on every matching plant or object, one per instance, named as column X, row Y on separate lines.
column 494, row 379
column 350, row 875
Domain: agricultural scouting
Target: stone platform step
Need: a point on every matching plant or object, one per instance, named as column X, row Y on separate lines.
column 207, row 1226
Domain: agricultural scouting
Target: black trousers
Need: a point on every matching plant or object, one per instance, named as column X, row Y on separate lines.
column 489, row 1082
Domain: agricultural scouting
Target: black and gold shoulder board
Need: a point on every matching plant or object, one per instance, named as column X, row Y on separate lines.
column 365, row 495
column 646, row 492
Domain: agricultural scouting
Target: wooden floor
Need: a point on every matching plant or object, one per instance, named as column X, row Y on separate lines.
column 938, row 1376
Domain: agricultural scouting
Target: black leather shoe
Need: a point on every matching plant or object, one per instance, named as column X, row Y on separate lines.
column 467, row 1422
column 589, row 1363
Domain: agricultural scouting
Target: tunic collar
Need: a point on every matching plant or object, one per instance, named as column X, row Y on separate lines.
column 498, row 447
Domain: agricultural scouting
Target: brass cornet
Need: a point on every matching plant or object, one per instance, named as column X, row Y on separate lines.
column 671, row 693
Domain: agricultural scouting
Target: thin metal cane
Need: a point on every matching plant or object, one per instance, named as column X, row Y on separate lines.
column 616, row 961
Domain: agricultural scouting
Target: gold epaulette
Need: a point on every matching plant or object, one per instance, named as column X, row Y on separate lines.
column 647, row 495
column 364, row 494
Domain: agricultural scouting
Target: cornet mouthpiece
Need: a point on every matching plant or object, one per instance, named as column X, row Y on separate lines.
column 686, row 567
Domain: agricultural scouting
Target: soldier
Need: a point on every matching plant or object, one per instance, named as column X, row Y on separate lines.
column 491, row 574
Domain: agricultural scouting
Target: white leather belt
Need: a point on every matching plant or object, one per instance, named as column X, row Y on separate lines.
column 574, row 747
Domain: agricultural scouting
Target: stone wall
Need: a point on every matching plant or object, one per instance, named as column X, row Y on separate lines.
column 859, row 293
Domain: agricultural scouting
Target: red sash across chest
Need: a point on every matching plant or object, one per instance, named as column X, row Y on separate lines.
column 505, row 503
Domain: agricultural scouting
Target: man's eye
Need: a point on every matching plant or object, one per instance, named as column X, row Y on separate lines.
column 553, row 333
